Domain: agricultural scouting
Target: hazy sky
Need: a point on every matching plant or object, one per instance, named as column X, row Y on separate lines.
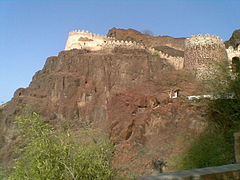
column 31, row 31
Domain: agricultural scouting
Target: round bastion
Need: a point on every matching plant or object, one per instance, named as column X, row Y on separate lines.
column 202, row 52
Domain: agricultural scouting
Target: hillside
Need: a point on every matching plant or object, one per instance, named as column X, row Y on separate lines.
column 124, row 92
column 234, row 40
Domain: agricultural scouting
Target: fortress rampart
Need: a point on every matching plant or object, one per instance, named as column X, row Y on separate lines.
column 80, row 39
column 85, row 40
column 199, row 54
column 175, row 61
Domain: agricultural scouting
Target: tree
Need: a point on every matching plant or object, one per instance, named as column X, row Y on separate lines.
column 147, row 32
column 50, row 154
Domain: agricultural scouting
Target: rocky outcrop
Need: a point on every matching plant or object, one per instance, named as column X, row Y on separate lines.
column 148, row 40
column 125, row 92
column 234, row 41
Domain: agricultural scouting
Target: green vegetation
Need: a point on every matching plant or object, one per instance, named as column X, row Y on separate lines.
column 215, row 146
column 2, row 174
column 64, row 155
column 210, row 149
column 155, row 53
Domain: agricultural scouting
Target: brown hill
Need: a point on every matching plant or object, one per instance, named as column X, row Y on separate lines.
column 123, row 92
column 148, row 40
column 234, row 40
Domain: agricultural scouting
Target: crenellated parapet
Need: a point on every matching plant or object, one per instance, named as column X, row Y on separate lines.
column 80, row 39
column 175, row 61
column 83, row 33
column 126, row 44
column 233, row 52
column 200, row 51
column 201, row 41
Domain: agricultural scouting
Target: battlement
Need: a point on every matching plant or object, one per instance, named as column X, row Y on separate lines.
column 126, row 44
column 175, row 61
column 200, row 50
column 88, row 34
column 80, row 39
column 231, row 49
column 231, row 52
column 204, row 40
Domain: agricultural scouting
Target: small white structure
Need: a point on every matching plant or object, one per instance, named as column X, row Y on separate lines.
column 200, row 97
column 173, row 94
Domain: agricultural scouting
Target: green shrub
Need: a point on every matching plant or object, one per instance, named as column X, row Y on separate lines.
column 155, row 53
column 209, row 149
column 215, row 146
column 50, row 154
column 2, row 174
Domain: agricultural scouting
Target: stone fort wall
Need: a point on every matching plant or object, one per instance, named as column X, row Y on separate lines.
column 202, row 53
column 79, row 39
column 176, row 61
column 202, row 50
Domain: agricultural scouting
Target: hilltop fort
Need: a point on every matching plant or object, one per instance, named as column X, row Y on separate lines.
column 125, row 84
column 79, row 39
column 199, row 51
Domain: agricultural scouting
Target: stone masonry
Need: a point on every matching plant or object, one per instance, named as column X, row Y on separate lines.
column 202, row 53
column 85, row 40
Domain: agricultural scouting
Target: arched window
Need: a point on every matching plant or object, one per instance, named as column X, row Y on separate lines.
column 235, row 64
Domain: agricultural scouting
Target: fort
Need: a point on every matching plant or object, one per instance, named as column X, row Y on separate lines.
column 80, row 39
column 85, row 40
column 175, row 61
column 200, row 51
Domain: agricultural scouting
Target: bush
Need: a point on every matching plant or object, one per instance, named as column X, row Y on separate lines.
column 50, row 154
column 209, row 149
column 2, row 173
column 215, row 146
column 155, row 53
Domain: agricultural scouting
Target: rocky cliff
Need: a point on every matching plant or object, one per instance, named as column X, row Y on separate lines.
column 124, row 92
column 234, row 40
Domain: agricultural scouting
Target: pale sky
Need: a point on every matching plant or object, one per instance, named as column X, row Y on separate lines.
column 31, row 31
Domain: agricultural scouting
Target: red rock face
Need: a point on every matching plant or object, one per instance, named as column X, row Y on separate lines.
column 123, row 92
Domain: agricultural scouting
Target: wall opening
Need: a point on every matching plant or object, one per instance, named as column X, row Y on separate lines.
column 235, row 64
